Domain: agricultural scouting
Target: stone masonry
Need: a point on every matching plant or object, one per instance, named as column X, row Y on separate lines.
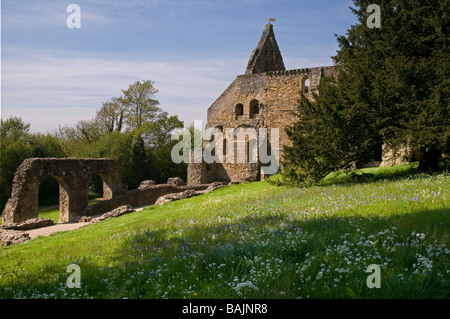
column 73, row 176
column 264, row 97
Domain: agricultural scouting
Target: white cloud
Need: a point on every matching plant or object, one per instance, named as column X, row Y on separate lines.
column 49, row 16
column 48, row 90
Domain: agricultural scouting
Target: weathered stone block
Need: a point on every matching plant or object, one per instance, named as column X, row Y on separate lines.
column 30, row 224
column 176, row 196
column 177, row 181
column 147, row 183
column 125, row 209
column 9, row 237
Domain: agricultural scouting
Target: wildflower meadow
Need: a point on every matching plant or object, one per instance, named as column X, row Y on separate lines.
column 255, row 241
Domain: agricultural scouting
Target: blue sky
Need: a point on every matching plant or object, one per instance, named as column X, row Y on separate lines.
column 191, row 49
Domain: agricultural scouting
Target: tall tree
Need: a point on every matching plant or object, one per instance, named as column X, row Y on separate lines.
column 406, row 72
column 332, row 133
column 110, row 115
column 393, row 88
column 140, row 104
column 14, row 148
column 17, row 144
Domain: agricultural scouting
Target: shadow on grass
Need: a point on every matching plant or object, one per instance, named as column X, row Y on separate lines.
column 188, row 254
column 193, row 252
column 371, row 174
column 368, row 175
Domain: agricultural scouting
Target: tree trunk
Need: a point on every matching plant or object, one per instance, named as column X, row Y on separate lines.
column 429, row 159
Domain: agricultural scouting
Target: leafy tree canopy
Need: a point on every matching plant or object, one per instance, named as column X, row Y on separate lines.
column 393, row 88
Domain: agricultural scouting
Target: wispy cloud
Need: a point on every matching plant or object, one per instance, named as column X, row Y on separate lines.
column 47, row 15
column 192, row 49
column 64, row 91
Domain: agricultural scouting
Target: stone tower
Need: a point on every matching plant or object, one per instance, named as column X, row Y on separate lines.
column 262, row 98
column 266, row 56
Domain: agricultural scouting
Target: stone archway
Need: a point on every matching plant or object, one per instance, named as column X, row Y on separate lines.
column 73, row 176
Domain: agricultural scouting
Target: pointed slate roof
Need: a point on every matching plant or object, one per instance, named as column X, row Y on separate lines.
column 266, row 56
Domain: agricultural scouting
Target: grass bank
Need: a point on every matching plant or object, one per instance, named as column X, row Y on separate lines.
column 253, row 240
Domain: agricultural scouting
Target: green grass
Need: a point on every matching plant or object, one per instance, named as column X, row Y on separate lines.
column 362, row 175
column 53, row 213
column 370, row 174
column 253, row 240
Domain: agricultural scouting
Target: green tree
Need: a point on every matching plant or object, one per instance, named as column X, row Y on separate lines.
column 110, row 115
column 17, row 144
column 152, row 147
column 405, row 70
column 140, row 105
column 115, row 145
column 331, row 134
column 150, row 127
column 162, row 167
column 14, row 148
column 131, row 129
column 46, row 145
column 393, row 88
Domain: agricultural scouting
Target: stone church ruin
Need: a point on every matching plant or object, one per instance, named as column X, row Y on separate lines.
column 264, row 97
column 73, row 176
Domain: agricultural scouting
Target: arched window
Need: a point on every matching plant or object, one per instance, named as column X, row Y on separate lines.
column 213, row 137
column 254, row 108
column 238, row 110
column 306, row 85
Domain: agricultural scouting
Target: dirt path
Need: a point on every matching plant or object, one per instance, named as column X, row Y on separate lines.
column 45, row 231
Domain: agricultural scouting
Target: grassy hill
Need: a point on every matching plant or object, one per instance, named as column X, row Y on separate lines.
column 254, row 240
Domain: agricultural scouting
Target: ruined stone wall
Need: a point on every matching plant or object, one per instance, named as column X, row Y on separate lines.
column 276, row 94
column 73, row 176
column 402, row 154
column 264, row 97
column 139, row 197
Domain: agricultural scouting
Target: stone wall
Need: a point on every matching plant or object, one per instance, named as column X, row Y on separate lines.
column 276, row 93
column 264, row 97
column 397, row 156
column 142, row 196
column 73, row 176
